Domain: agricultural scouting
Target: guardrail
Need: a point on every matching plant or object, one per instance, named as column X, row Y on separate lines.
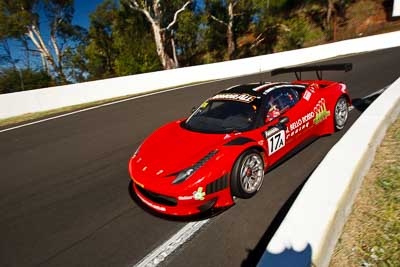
column 308, row 234
column 19, row 103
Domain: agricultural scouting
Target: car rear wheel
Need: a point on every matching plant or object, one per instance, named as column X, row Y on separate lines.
column 341, row 113
column 247, row 174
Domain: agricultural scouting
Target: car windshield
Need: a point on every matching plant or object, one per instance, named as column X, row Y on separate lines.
column 223, row 117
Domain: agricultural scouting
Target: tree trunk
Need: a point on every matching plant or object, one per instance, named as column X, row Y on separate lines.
column 329, row 12
column 174, row 51
column 34, row 34
column 229, row 32
column 159, row 37
column 334, row 27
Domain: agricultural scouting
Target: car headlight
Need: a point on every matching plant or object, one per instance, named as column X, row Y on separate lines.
column 186, row 173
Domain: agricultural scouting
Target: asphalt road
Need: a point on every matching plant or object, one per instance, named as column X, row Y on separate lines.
column 64, row 197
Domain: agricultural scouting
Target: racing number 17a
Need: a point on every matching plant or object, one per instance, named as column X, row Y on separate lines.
column 276, row 142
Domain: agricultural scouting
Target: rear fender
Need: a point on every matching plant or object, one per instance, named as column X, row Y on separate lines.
column 332, row 94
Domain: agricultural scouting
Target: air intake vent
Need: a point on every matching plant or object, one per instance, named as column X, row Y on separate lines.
column 217, row 185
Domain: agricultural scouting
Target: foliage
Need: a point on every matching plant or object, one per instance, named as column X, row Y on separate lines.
column 134, row 43
column 12, row 80
column 100, row 51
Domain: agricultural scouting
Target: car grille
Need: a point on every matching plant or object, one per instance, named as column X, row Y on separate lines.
column 157, row 198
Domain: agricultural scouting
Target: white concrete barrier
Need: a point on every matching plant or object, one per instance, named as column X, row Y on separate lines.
column 19, row 103
column 309, row 232
column 396, row 8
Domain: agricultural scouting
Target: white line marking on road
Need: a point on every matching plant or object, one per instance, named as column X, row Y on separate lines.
column 161, row 253
column 102, row 105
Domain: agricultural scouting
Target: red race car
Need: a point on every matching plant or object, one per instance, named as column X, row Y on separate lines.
column 229, row 142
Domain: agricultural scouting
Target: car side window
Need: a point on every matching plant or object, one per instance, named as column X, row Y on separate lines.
column 279, row 101
column 290, row 97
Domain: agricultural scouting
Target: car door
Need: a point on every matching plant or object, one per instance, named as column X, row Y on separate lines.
column 313, row 111
column 282, row 103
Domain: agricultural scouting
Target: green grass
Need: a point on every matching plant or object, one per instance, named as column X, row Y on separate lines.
column 371, row 237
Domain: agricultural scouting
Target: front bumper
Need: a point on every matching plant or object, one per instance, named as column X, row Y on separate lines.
column 182, row 205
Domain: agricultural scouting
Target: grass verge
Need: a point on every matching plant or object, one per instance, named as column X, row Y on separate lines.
column 371, row 236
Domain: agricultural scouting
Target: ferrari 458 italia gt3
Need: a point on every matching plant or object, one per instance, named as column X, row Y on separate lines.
column 224, row 148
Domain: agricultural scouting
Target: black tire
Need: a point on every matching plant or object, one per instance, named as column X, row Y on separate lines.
column 246, row 179
column 341, row 113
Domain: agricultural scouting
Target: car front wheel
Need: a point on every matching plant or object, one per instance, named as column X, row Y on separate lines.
column 247, row 174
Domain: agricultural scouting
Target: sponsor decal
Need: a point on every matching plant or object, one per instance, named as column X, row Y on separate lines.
column 321, row 113
column 199, row 194
column 204, row 105
column 246, row 98
column 271, row 132
column 185, row 197
column 312, row 87
column 276, row 142
column 318, row 114
column 307, row 95
column 299, row 125
column 156, row 207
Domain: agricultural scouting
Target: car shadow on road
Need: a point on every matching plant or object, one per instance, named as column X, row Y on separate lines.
column 198, row 217
column 257, row 253
column 361, row 104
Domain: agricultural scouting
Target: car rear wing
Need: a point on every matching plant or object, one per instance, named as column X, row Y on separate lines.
column 317, row 68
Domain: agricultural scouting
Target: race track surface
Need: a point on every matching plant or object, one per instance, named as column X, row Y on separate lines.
column 64, row 198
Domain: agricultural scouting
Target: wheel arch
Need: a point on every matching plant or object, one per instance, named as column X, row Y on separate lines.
column 347, row 98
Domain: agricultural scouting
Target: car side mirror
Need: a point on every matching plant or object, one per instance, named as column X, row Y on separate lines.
column 284, row 120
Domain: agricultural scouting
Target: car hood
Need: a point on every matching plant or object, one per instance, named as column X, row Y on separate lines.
column 171, row 149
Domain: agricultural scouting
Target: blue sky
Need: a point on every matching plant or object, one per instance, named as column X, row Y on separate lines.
column 83, row 10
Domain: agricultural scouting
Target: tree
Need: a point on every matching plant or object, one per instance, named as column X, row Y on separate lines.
column 228, row 24
column 158, row 14
column 189, row 36
column 120, row 42
column 235, row 18
column 133, row 39
column 20, row 18
column 100, row 50
column 10, row 80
